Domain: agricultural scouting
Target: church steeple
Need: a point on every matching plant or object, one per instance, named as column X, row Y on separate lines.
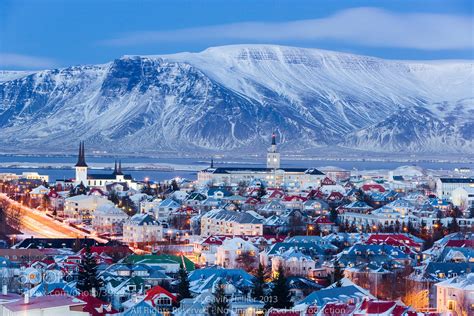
column 115, row 168
column 273, row 156
column 212, row 162
column 81, row 159
column 119, row 170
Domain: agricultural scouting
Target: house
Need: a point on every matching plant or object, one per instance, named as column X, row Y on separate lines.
column 463, row 197
column 160, row 299
column 142, row 229
column 294, row 263
column 204, row 279
column 456, row 295
column 108, row 219
column 231, row 249
column 348, row 293
column 95, row 306
column 224, row 222
column 81, row 207
column 51, row 305
column 445, row 186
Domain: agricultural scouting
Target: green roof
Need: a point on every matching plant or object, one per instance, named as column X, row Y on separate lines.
column 161, row 259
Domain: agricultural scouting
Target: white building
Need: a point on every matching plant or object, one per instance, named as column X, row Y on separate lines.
column 161, row 209
column 273, row 156
column 233, row 223
column 463, row 197
column 273, row 174
column 108, row 219
column 142, row 228
column 82, row 207
column 51, row 305
column 293, row 262
column 455, row 296
column 231, row 249
column 99, row 180
column 444, row 186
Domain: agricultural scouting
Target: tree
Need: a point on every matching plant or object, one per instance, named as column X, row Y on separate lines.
column 88, row 279
column 245, row 260
column 174, row 185
column 453, row 227
column 280, row 294
column 338, row 273
column 333, row 215
column 261, row 192
column 220, row 304
column 183, row 283
column 259, row 284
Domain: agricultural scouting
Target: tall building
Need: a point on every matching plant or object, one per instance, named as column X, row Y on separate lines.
column 81, row 166
column 273, row 156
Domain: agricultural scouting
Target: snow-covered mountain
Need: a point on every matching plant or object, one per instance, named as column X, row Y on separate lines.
column 232, row 97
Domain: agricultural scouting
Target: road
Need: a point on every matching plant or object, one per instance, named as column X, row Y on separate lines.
column 37, row 224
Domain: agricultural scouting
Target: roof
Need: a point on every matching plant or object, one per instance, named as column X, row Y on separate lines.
column 163, row 258
column 44, row 302
column 457, row 180
column 156, row 291
column 95, row 306
column 337, row 293
column 233, row 216
column 222, row 170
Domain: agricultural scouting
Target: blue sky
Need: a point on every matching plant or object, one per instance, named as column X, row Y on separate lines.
column 39, row 34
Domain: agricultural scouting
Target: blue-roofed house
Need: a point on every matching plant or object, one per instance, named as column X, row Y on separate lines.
column 204, row 279
column 347, row 294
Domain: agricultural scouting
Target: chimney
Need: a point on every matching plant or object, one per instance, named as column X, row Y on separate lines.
column 26, row 298
column 4, row 289
column 93, row 292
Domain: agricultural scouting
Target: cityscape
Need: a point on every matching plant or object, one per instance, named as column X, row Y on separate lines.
column 246, row 164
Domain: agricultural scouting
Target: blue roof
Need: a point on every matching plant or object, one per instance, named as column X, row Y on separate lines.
column 321, row 297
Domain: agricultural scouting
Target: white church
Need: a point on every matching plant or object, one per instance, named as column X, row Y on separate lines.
column 98, row 180
column 273, row 175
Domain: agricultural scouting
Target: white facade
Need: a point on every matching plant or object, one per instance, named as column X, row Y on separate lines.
column 293, row 262
column 80, row 205
column 231, row 249
column 445, row 186
column 142, row 228
column 273, row 156
column 456, row 295
column 463, row 197
column 108, row 219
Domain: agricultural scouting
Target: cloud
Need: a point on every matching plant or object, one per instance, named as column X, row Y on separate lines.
column 25, row 61
column 362, row 26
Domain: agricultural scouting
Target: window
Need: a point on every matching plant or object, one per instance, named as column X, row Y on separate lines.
column 451, row 305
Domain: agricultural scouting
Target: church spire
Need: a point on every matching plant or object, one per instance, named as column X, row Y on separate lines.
column 119, row 170
column 212, row 162
column 115, row 168
column 274, row 138
column 81, row 159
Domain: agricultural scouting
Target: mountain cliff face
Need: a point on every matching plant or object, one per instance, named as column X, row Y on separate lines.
column 232, row 97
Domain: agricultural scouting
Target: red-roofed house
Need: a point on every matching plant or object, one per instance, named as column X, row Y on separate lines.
column 95, row 306
column 373, row 187
column 378, row 308
column 401, row 241
column 337, row 309
column 335, row 196
column 327, row 181
column 324, row 223
column 160, row 298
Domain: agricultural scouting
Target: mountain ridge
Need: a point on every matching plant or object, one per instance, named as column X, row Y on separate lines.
column 232, row 97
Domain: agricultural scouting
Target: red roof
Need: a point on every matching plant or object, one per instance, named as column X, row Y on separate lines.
column 327, row 181
column 276, row 194
column 53, row 194
column 107, row 250
column 373, row 187
column 293, row 198
column 396, row 240
column 324, row 220
column 252, row 201
column 95, row 306
column 155, row 291
column 335, row 196
column 461, row 243
column 375, row 307
column 315, row 194
column 214, row 240
column 337, row 309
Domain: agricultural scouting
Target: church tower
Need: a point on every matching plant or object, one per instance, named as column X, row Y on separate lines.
column 81, row 166
column 273, row 156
